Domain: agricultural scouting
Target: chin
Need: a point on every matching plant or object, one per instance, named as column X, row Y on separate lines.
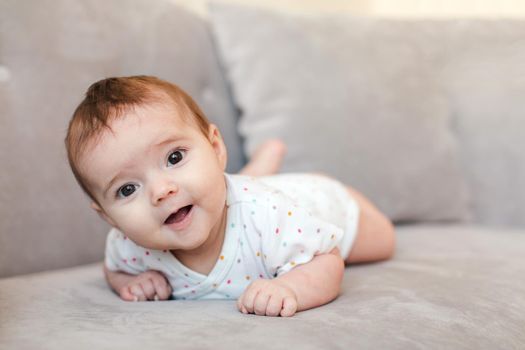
column 195, row 244
column 185, row 240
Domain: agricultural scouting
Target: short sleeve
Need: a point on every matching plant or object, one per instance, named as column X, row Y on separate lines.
column 293, row 236
column 122, row 254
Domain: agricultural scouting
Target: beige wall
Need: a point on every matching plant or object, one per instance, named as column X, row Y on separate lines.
column 390, row 8
column 448, row 8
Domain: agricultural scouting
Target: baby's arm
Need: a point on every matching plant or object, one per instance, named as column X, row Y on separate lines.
column 149, row 285
column 306, row 286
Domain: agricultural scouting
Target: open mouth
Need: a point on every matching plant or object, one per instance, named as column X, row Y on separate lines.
column 179, row 215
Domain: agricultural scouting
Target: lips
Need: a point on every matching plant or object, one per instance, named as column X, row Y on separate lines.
column 179, row 216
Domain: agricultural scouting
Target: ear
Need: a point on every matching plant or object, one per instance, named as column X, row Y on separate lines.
column 102, row 214
column 215, row 137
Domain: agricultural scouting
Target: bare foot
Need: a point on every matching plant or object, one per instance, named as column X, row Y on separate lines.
column 266, row 160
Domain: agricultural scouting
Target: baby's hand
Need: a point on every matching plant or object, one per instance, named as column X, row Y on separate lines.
column 268, row 297
column 149, row 285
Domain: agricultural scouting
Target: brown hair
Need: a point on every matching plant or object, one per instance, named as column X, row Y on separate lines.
column 109, row 99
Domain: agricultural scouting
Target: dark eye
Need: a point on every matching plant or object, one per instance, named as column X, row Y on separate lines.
column 126, row 190
column 175, row 157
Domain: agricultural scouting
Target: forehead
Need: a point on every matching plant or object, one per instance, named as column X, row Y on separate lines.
column 147, row 118
column 139, row 123
column 135, row 131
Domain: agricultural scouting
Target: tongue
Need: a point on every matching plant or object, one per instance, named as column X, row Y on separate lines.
column 179, row 215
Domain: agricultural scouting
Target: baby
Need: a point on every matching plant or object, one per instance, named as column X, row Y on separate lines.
column 154, row 169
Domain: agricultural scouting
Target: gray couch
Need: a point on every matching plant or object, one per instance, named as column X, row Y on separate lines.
column 425, row 117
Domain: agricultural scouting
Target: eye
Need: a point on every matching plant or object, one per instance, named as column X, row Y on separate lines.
column 126, row 190
column 175, row 157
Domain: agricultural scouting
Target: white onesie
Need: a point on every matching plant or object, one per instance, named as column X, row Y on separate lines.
column 274, row 223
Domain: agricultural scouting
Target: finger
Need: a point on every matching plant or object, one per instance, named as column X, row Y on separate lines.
column 162, row 288
column 289, row 307
column 249, row 298
column 137, row 291
column 125, row 294
column 240, row 306
column 260, row 303
column 148, row 288
column 239, row 303
column 275, row 304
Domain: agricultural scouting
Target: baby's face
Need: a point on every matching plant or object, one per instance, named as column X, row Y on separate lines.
column 158, row 179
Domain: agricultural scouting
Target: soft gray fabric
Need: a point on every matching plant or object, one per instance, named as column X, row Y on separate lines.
column 448, row 287
column 50, row 52
column 484, row 73
column 356, row 98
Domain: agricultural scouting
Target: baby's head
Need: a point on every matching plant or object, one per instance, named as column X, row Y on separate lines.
column 150, row 161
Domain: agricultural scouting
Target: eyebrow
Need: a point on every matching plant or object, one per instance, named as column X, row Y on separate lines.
column 156, row 145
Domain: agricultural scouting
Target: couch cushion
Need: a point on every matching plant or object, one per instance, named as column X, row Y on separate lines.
column 448, row 287
column 356, row 98
column 51, row 51
column 484, row 73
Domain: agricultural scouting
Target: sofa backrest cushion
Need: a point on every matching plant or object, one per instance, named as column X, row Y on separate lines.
column 355, row 98
column 482, row 69
column 391, row 106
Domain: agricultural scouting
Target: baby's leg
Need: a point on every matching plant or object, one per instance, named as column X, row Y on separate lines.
column 375, row 233
column 266, row 160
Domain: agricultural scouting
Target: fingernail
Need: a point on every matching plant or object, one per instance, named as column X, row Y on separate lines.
column 135, row 298
column 156, row 297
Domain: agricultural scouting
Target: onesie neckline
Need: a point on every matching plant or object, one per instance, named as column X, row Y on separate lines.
column 205, row 283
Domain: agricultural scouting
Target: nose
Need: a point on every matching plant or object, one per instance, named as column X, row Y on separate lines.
column 163, row 189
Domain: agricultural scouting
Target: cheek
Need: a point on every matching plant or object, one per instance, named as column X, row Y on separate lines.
column 216, row 195
column 210, row 189
column 132, row 218
column 205, row 174
column 211, row 180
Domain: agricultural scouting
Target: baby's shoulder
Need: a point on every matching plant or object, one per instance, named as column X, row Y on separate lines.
column 247, row 190
column 118, row 240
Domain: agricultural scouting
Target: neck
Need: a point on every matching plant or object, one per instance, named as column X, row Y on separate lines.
column 203, row 258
